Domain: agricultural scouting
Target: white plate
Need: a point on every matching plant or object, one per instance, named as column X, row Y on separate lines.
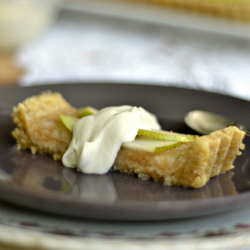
column 33, row 230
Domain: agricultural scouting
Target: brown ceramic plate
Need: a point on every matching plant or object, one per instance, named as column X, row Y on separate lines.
column 38, row 182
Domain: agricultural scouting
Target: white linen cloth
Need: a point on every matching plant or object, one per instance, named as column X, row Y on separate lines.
column 87, row 48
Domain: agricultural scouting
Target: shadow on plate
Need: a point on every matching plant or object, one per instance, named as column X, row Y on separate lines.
column 41, row 174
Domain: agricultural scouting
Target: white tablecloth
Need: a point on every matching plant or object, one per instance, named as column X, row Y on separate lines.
column 82, row 47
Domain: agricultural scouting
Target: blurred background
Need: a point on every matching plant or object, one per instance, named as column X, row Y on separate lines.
column 202, row 44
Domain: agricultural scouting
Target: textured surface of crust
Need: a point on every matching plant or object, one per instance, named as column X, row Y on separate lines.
column 39, row 126
column 190, row 165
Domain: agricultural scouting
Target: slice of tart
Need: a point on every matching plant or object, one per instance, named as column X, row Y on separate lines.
column 189, row 165
column 40, row 129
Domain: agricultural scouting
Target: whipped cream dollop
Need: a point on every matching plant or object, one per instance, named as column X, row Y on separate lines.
column 97, row 138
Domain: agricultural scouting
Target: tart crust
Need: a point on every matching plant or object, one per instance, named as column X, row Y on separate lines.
column 39, row 127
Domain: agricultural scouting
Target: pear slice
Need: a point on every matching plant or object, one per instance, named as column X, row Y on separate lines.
column 85, row 111
column 167, row 136
column 69, row 121
column 150, row 145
